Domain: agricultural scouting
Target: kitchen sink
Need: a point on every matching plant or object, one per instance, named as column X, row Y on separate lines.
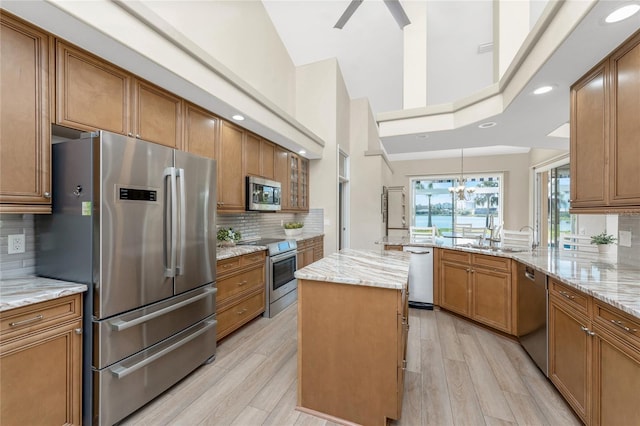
column 493, row 248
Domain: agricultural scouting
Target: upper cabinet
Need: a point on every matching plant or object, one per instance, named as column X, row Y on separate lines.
column 298, row 183
column 93, row 94
column 282, row 175
column 230, row 156
column 604, row 134
column 200, row 131
column 25, row 134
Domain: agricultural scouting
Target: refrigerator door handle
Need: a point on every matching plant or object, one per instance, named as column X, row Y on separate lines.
column 183, row 222
column 170, row 258
column 119, row 371
column 120, row 325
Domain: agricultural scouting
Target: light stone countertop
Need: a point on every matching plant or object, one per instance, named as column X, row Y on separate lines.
column 597, row 275
column 16, row 292
column 228, row 252
column 374, row 268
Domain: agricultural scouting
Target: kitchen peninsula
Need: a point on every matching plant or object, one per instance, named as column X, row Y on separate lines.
column 352, row 336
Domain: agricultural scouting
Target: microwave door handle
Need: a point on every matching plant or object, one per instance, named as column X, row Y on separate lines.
column 171, row 226
column 183, row 222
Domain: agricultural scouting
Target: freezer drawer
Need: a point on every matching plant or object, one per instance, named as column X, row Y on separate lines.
column 119, row 337
column 122, row 388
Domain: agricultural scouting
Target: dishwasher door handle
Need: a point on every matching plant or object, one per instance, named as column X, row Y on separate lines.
column 417, row 252
column 529, row 275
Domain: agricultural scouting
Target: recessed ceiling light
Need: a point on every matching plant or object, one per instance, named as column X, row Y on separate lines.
column 422, row 136
column 622, row 13
column 487, row 124
column 238, row 117
column 542, row 89
column 302, row 152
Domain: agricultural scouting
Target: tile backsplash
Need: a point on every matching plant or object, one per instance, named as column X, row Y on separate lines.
column 18, row 264
column 253, row 225
column 630, row 255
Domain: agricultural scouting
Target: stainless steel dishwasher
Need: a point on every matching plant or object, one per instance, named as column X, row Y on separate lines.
column 532, row 315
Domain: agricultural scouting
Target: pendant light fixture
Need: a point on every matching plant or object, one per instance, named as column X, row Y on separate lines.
column 461, row 191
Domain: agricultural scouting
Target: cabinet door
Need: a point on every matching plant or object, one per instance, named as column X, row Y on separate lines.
column 25, row 134
column 455, row 287
column 625, row 126
column 281, row 174
column 157, row 115
column 231, row 182
column 589, row 142
column 90, row 93
column 616, row 384
column 303, row 200
column 570, row 356
column 252, row 157
column 267, row 159
column 201, row 131
column 40, row 378
column 491, row 300
column 294, row 179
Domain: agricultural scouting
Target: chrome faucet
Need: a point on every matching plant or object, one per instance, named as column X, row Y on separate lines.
column 534, row 245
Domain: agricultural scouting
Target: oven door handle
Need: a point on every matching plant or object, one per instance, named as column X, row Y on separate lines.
column 119, row 371
column 283, row 256
column 119, row 325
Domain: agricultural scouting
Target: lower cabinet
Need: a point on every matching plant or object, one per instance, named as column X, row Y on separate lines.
column 363, row 381
column 41, row 363
column 477, row 286
column 594, row 357
column 309, row 251
column 241, row 291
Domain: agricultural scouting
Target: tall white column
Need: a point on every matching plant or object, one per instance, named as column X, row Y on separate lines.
column 415, row 55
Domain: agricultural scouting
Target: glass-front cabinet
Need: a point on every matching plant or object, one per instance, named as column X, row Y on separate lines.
column 298, row 183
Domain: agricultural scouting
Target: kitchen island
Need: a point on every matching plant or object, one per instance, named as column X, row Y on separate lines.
column 352, row 334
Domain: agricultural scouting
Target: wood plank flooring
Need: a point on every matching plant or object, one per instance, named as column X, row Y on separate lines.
column 457, row 374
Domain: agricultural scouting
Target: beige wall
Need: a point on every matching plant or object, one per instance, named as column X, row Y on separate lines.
column 515, row 168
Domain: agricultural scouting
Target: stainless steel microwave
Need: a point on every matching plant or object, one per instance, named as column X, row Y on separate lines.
column 263, row 194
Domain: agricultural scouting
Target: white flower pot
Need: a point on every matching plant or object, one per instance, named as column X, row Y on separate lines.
column 293, row 232
column 605, row 248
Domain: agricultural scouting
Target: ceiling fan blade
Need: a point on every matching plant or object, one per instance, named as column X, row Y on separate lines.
column 398, row 12
column 347, row 13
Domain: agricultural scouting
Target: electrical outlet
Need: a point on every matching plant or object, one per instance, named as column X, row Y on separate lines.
column 624, row 238
column 16, row 243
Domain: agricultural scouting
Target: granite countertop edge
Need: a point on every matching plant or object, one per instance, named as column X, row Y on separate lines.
column 24, row 291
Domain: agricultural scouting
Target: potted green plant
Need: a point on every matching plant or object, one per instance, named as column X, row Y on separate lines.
column 604, row 242
column 293, row 229
column 227, row 237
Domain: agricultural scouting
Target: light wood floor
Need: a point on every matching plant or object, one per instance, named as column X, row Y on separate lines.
column 457, row 374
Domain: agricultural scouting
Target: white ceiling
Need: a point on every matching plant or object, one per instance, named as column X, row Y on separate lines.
column 369, row 51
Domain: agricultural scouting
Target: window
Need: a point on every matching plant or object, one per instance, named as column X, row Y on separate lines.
column 432, row 203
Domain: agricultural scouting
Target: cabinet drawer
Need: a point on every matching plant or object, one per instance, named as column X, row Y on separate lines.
column 252, row 258
column 240, row 313
column 493, row 262
column 239, row 283
column 455, row 256
column 225, row 266
column 28, row 319
column 618, row 322
column 572, row 297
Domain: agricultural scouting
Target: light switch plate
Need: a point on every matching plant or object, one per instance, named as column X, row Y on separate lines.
column 624, row 238
column 16, row 244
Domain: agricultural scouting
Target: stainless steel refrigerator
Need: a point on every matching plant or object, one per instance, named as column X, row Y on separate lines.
column 135, row 221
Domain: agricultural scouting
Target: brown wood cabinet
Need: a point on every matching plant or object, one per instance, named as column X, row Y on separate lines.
column 479, row 287
column 200, row 131
column 93, row 94
column 281, row 174
column 310, row 250
column 241, row 291
column 41, row 363
column 259, row 157
column 231, row 180
column 351, row 351
column 604, row 134
column 298, row 181
column 25, row 135
column 594, row 356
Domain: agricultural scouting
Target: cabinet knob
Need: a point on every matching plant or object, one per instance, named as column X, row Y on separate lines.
column 130, row 134
column 78, row 330
column 138, row 136
column 47, row 195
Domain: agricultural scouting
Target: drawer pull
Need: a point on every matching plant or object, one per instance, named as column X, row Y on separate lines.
column 586, row 330
column 27, row 321
column 624, row 327
column 567, row 295
column 243, row 282
column 242, row 311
